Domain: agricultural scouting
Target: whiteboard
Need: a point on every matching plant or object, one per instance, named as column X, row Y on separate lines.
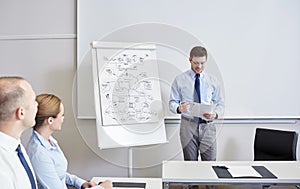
column 127, row 95
column 254, row 46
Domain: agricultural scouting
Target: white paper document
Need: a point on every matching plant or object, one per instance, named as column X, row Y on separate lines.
column 97, row 187
column 197, row 109
column 126, row 185
column 243, row 171
column 127, row 188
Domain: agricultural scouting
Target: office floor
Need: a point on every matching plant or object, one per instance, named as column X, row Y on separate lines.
column 245, row 186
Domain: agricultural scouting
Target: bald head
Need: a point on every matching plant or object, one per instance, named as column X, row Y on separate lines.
column 18, row 106
column 11, row 93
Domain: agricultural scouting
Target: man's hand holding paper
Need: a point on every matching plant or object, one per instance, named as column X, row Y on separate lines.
column 184, row 106
column 204, row 111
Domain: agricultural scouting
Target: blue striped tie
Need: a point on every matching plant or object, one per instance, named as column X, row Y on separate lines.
column 26, row 166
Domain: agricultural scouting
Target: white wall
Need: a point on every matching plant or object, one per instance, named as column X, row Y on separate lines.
column 253, row 45
column 38, row 42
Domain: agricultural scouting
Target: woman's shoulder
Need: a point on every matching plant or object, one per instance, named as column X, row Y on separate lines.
column 35, row 148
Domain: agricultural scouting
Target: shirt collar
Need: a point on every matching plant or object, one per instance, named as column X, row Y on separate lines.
column 44, row 142
column 192, row 74
column 8, row 142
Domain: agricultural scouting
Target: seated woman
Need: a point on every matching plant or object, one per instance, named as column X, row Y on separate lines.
column 48, row 161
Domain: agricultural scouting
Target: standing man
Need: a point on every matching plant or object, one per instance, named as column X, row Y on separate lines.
column 194, row 85
column 17, row 113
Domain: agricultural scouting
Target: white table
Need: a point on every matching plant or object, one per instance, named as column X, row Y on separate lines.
column 151, row 183
column 201, row 172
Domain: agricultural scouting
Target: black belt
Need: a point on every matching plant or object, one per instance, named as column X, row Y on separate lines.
column 192, row 120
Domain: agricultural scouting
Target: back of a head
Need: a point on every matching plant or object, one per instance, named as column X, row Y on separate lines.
column 48, row 106
column 11, row 94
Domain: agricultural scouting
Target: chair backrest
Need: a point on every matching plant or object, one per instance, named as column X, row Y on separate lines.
column 272, row 145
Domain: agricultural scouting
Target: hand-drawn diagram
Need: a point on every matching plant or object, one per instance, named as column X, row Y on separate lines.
column 129, row 87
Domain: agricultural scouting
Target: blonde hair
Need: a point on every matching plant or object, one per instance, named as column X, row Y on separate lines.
column 48, row 106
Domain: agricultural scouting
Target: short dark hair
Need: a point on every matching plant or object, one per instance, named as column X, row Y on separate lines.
column 198, row 51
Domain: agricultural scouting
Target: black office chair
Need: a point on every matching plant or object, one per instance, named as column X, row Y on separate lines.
column 275, row 145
